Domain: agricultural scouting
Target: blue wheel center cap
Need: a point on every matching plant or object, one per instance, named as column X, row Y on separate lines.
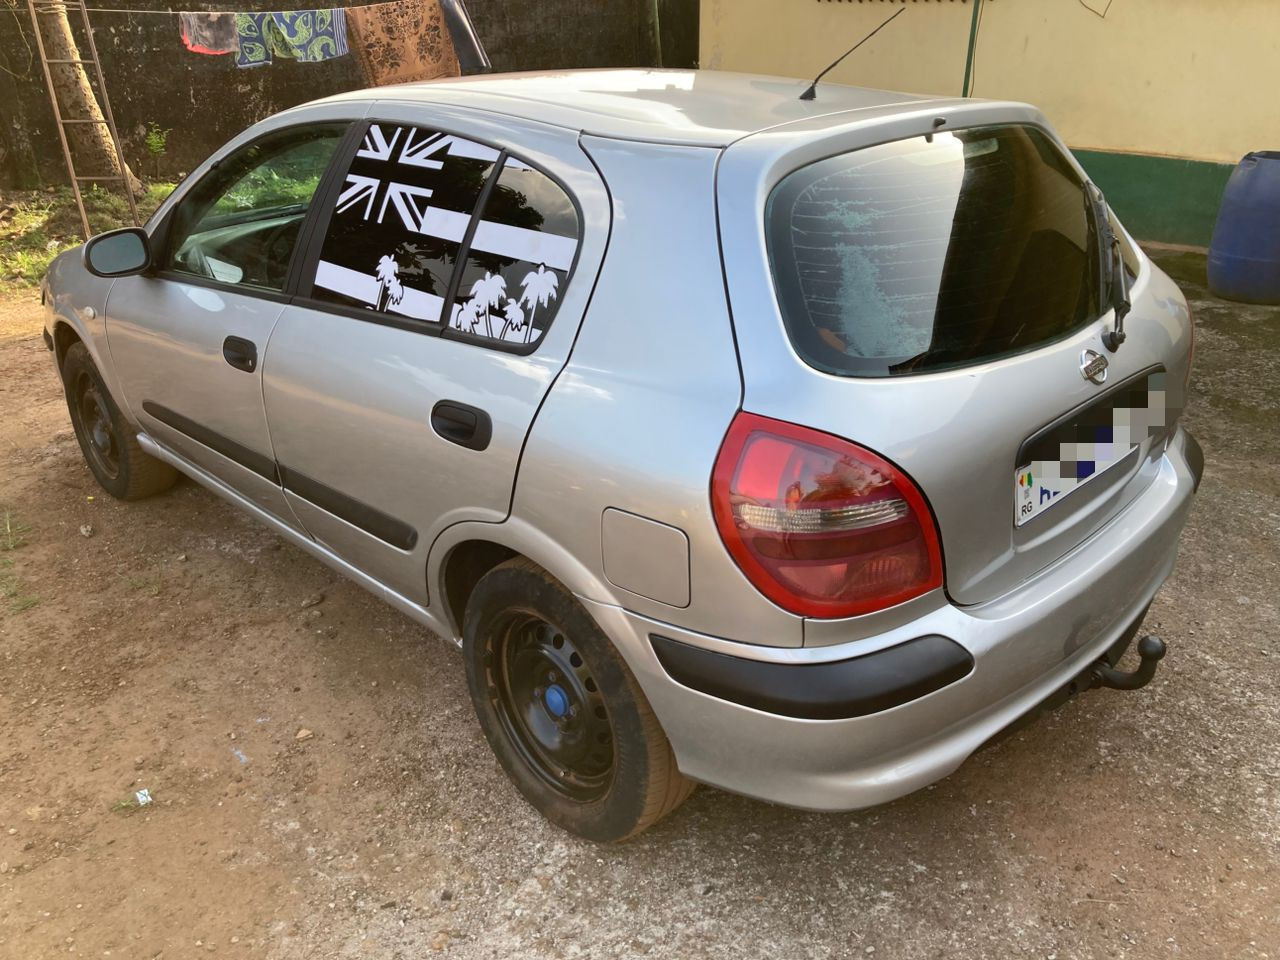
column 556, row 700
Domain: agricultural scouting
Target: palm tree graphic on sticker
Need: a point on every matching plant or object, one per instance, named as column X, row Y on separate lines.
column 538, row 289
column 390, row 290
column 488, row 294
column 489, row 299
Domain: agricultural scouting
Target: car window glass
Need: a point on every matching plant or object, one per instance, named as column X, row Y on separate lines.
column 521, row 254
column 933, row 253
column 400, row 219
column 240, row 223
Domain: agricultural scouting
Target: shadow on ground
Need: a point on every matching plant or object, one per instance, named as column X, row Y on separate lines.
column 181, row 649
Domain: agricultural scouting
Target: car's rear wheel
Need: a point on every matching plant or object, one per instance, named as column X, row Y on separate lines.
column 108, row 443
column 562, row 711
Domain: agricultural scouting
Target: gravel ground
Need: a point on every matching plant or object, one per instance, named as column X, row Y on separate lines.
column 181, row 649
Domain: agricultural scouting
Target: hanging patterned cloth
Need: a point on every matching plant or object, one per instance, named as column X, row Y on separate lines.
column 404, row 41
column 309, row 36
column 212, row 33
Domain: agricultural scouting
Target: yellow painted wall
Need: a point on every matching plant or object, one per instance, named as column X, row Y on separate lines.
column 1184, row 78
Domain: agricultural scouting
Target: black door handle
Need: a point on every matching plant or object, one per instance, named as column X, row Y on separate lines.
column 460, row 423
column 240, row 353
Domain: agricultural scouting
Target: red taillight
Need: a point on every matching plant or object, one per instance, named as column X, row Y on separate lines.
column 822, row 527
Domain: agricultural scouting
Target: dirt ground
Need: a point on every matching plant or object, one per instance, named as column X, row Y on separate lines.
column 180, row 648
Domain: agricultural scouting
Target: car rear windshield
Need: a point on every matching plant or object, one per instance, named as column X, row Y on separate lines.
column 933, row 252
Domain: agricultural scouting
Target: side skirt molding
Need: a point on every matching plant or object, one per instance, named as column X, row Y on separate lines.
column 372, row 521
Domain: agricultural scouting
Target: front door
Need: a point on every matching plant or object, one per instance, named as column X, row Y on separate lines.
column 442, row 302
column 188, row 339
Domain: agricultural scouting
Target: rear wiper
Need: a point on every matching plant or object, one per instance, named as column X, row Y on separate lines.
column 1115, row 277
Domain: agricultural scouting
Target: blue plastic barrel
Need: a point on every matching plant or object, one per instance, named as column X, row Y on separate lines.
column 1244, row 258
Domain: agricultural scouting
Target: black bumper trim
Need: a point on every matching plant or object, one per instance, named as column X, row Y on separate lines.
column 48, row 340
column 836, row 690
column 1195, row 458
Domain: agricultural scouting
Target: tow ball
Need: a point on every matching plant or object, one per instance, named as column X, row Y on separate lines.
column 1151, row 650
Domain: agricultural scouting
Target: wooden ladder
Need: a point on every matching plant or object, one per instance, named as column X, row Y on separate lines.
column 35, row 7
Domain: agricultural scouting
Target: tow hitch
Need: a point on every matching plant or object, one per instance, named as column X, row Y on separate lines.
column 1151, row 649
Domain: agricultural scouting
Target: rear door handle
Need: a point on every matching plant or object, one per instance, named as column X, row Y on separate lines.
column 463, row 424
column 240, row 353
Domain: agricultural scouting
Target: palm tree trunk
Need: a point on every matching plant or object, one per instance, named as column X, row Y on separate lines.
column 91, row 142
column 528, row 324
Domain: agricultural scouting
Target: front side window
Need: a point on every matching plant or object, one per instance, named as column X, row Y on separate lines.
column 406, row 235
column 240, row 223
column 933, row 252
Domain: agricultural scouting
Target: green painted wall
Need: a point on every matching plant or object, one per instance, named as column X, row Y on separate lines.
column 1160, row 198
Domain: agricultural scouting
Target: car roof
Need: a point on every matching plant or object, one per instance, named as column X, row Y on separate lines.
column 701, row 107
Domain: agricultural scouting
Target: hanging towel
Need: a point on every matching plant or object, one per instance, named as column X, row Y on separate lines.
column 402, row 42
column 312, row 35
column 254, row 33
column 306, row 35
column 212, row 33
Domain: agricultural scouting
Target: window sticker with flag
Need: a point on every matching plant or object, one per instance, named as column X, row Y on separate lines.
column 1068, row 454
column 398, row 242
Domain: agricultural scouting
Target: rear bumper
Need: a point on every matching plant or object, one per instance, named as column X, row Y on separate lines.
column 1023, row 647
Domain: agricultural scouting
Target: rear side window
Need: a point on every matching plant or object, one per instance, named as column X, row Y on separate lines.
column 425, row 218
column 519, row 258
column 933, row 252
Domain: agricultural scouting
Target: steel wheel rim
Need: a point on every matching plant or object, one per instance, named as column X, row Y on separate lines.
column 550, row 706
column 101, row 442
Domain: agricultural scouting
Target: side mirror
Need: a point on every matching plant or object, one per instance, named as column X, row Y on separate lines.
column 118, row 253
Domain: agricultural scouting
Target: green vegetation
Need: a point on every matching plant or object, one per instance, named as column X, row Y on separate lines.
column 36, row 226
column 157, row 143
column 11, row 538
column 11, row 589
column 150, row 584
column 265, row 188
column 11, row 533
column 127, row 805
column 157, row 139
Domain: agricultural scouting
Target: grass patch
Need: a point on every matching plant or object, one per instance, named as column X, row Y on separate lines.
column 36, row 226
column 11, row 588
column 11, row 533
column 129, row 804
column 150, row 584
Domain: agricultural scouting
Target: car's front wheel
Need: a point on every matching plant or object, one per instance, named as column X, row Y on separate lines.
column 108, row 443
column 562, row 711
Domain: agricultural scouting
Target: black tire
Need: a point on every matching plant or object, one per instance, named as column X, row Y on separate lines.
column 525, row 638
column 108, row 443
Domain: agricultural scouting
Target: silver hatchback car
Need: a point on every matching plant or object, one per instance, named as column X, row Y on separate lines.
column 794, row 447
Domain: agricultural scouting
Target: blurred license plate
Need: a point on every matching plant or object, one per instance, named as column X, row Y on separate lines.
column 1086, row 443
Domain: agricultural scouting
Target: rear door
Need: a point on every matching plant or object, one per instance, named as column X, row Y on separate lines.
column 440, row 300
column 936, row 297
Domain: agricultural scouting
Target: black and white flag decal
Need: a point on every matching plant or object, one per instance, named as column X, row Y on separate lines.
column 405, row 183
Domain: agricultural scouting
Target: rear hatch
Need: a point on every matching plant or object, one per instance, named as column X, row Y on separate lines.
column 933, row 288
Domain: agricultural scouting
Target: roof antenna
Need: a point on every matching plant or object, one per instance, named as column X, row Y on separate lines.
column 812, row 92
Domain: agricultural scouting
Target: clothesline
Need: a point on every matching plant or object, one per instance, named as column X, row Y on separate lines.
column 395, row 41
column 174, row 13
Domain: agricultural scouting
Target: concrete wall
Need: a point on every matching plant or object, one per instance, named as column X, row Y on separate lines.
column 1181, row 78
column 1160, row 98
column 206, row 100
